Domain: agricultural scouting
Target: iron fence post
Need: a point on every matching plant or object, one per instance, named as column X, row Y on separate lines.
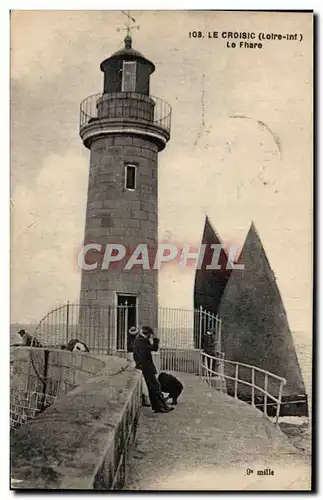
column 67, row 320
column 236, row 378
column 253, row 386
column 282, row 383
column 115, row 327
column 200, row 328
column 126, row 326
column 265, row 396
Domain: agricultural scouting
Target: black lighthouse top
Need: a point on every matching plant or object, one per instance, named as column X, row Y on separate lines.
column 127, row 70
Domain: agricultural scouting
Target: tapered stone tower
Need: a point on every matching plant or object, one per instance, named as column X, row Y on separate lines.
column 255, row 328
column 125, row 128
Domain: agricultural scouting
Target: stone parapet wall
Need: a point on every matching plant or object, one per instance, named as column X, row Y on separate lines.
column 39, row 376
column 84, row 441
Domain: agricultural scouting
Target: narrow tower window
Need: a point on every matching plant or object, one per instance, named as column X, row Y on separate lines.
column 130, row 177
column 129, row 76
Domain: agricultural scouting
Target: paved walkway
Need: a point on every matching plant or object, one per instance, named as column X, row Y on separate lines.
column 209, row 442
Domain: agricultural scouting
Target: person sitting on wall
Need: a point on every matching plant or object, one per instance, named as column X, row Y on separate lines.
column 76, row 345
column 170, row 385
column 28, row 340
column 142, row 349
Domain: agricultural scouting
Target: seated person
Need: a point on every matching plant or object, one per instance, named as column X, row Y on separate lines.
column 170, row 385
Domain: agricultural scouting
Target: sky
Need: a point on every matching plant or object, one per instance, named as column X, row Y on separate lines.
column 240, row 147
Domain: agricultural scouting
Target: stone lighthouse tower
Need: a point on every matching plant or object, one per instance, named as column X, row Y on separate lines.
column 124, row 128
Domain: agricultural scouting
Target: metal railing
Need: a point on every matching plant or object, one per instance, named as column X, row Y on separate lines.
column 237, row 373
column 121, row 105
column 91, row 324
column 108, row 330
column 26, row 404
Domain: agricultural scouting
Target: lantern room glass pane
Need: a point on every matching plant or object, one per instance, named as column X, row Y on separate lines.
column 129, row 76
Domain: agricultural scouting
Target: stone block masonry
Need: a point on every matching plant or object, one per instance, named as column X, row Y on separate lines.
column 41, row 375
column 118, row 215
column 96, row 423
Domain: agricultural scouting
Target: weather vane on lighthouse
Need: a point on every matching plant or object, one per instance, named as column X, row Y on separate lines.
column 128, row 28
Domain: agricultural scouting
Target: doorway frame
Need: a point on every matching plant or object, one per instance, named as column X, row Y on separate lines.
column 124, row 294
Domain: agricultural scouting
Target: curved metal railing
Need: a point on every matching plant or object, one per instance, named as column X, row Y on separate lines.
column 132, row 105
column 50, row 329
column 272, row 384
column 105, row 329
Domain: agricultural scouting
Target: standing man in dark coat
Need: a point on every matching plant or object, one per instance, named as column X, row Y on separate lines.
column 209, row 342
column 142, row 349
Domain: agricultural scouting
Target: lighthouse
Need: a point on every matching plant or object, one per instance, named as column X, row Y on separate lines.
column 125, row 128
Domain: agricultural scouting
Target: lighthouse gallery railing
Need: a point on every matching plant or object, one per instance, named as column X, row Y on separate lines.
column 126, row 105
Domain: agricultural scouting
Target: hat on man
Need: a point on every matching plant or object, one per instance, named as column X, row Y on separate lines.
column 134, row 330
